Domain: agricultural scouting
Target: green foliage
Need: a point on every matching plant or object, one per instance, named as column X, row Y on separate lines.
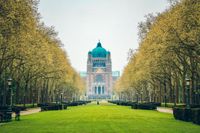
column 167, row 55
column 32, row 54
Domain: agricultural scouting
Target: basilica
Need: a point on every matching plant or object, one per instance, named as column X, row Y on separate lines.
column 99, row 76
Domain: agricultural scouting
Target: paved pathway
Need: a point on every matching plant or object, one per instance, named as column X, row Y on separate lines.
column 165, row 110
column 28, row 111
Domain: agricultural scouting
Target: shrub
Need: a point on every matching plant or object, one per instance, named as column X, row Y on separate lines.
column 184, row 114
column 156, row 104
column 147, row 106
column 52, row 106
column 196, row 116
column 124, row 103
column 135, row 105
column 76, row 103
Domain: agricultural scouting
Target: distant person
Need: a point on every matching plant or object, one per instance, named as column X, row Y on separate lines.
column 17, row 114
column 97, row 102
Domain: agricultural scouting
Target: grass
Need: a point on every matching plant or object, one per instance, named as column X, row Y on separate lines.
column 103, row 118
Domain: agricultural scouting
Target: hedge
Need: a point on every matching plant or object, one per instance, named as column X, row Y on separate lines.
column 64, row 105
column 135, row 105
column 189, row 115
column 46, row 107
column 196, row 116
column 124, row 103
column 147, row 106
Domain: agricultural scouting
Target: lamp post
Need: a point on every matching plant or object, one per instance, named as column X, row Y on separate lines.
column 9, row 110
column 56, row 96
column 141, row 95
column 9, row 81
column 188, row 93
column 174, row 100
column 137, row 96
column 61, row 100
column 61, row 97
column 165, row 93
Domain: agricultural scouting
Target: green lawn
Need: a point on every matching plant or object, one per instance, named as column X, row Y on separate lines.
column 105, row 118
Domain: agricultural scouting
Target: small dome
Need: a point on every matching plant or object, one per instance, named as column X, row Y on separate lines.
column 99, row 51
column 89, row 52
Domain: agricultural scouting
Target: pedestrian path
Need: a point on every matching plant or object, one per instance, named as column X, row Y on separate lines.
column 165, row 110
column 28, row 111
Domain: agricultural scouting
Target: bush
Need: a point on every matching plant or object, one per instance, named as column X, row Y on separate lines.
column 135, row 105
column 156, row 104
column 184, row 114
column 171, row 105
column 52, row 106
column 147, row 106
column 196, row 116
column 76, row 103
column 124, row 103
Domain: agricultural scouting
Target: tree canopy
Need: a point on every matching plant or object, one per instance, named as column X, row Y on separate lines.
column 33, row 56
column 167, row 56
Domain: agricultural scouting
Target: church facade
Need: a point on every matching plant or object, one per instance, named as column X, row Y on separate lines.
column 99, row 76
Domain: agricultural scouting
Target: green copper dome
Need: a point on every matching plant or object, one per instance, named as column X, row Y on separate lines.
column 99, row 51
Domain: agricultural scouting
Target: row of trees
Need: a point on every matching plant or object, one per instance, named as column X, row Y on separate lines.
column 33, row 56
column 168, row 56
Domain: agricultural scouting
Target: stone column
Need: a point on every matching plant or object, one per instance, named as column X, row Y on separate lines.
column 101, row 90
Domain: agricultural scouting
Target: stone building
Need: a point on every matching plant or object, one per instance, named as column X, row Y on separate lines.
column 99, row 76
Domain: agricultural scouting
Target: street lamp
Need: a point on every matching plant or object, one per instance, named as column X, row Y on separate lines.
column 57, row 96
column 174, row 96
column 137, row 96
column 9, row 81
column 141, row 95
column 188, row 93
column 61, row 97
column 9, row 111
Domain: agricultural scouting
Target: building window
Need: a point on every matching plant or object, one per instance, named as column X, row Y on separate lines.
column 99, row 64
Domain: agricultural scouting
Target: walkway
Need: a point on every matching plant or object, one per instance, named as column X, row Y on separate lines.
column 28, row 111
column 165, row 110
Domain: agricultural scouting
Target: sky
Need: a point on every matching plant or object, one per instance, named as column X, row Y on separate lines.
column 82, row 23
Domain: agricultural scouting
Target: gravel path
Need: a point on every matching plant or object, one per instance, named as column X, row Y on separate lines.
column 28, row 111
column 165, row 110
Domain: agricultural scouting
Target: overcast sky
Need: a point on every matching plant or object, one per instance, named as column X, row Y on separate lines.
column 81, row 23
